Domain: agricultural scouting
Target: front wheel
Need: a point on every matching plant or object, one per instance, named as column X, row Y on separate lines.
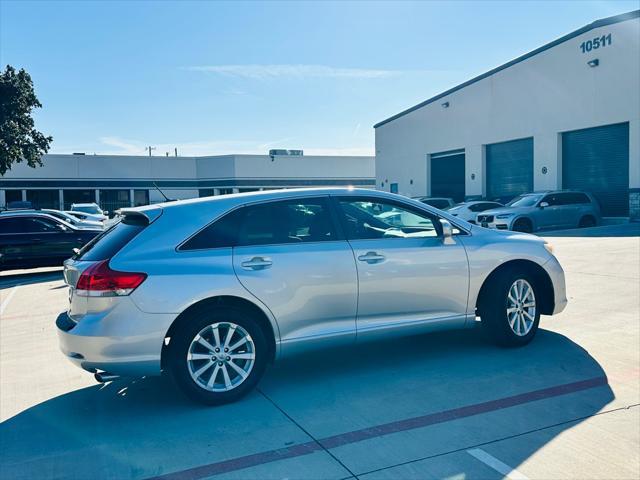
column 509, row 309
column 218, row 356
column 523, row 225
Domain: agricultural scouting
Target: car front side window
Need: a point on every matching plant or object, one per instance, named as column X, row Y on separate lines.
column 373, row 218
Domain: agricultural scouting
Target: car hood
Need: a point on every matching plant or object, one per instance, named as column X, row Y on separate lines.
column 503, row 210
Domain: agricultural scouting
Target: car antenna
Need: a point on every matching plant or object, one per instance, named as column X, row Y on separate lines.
column 162, row 193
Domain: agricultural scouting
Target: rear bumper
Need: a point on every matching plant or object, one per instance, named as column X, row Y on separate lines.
column 556, row 274
column 113, row 345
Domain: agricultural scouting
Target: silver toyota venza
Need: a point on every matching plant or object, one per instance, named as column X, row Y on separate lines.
column 211, row 290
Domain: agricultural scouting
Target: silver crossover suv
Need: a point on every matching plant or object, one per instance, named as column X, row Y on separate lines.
column 211, row 290
column 545, row 210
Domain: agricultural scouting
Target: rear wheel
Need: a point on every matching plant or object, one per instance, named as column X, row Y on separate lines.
column 523, row 225
column 587, row 221
column 218, row 356
column 509, row 309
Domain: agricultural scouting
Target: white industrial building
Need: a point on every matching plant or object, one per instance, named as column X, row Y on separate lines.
column 115, row 181
column 566, row 115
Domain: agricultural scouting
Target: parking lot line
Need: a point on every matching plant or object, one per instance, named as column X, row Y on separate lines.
column 5, row 302
column 381, row 430
column 496, row 464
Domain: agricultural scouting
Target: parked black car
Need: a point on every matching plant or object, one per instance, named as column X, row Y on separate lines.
column 32, row 239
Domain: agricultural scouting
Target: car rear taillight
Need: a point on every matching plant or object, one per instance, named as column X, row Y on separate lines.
column 101, row 281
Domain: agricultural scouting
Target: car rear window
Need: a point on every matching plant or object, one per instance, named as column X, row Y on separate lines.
column 111, row 241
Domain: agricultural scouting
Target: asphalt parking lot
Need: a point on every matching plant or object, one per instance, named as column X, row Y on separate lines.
column 445, row 405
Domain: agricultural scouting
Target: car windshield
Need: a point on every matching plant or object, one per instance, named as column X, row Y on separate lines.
column 524, row 201
column 440, row 203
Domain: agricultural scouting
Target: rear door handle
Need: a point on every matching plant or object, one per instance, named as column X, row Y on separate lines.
column 371, row 257
column 257, row 263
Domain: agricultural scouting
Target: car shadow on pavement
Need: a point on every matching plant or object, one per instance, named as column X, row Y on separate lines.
column 139, row 428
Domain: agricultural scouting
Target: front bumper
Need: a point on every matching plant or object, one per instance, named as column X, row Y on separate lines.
column 497, row 224
column 113, row 345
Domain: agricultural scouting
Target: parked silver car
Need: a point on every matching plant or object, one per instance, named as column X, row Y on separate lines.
column 91, row 209
column 211, row 290
column 545, row 210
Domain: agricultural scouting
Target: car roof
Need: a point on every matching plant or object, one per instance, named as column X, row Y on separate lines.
column 236, row 199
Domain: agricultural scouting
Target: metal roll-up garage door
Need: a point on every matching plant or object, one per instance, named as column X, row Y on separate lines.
column 447, row 175
column 509, row 169
column 596, row 160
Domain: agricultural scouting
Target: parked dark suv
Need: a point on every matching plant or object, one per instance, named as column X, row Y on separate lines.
column 32, row 239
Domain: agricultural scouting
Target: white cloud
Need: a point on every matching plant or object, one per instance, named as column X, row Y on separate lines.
column 261, row 72
column 112, row 145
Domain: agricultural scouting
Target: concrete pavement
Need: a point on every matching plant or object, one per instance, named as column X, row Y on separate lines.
column 446, row 405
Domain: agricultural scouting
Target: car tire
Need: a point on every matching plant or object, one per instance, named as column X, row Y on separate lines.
column 503, row 314
column 587, row 221
column 523, row 225
column 195, row 355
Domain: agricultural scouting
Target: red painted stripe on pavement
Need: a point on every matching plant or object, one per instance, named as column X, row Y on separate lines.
column 380, row 430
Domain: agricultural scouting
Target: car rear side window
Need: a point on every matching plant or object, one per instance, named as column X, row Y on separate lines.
column 221, row 233
column 111, row 241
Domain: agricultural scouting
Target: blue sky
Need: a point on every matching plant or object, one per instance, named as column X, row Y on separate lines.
column 243, row 77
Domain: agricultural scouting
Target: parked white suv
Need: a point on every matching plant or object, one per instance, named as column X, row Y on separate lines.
column 211, row 290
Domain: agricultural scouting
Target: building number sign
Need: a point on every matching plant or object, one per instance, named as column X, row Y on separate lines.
column 595, row 43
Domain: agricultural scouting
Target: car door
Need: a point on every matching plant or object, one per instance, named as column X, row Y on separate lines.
column 52, row 241
column 549, row 216
column 408, row 276
column 290, row 256
column 16, row 243
column 570, row 209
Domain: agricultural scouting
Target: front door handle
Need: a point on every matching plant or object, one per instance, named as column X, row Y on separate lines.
column 371, row 257
column 257, row 263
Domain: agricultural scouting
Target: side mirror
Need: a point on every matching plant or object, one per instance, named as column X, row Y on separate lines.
column 543, row 204
column 61, row 227
column 447, row 232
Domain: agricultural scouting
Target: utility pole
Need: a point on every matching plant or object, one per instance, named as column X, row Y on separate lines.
column 150, row 148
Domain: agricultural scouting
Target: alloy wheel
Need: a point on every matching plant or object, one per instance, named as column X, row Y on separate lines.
column 221, row 357
column 521, row 307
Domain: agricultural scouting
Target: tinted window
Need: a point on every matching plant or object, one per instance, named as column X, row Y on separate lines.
column 437, row 203
column 37, row 224
column 287, row 222
column 13, row 225
column 27, row 225
column 574, row 198
column 111, row 241
column 552, row 200
column 374, row 219
column 221, row 233
column 290, row 221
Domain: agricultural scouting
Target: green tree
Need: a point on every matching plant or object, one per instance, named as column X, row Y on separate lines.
column 19, row 140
